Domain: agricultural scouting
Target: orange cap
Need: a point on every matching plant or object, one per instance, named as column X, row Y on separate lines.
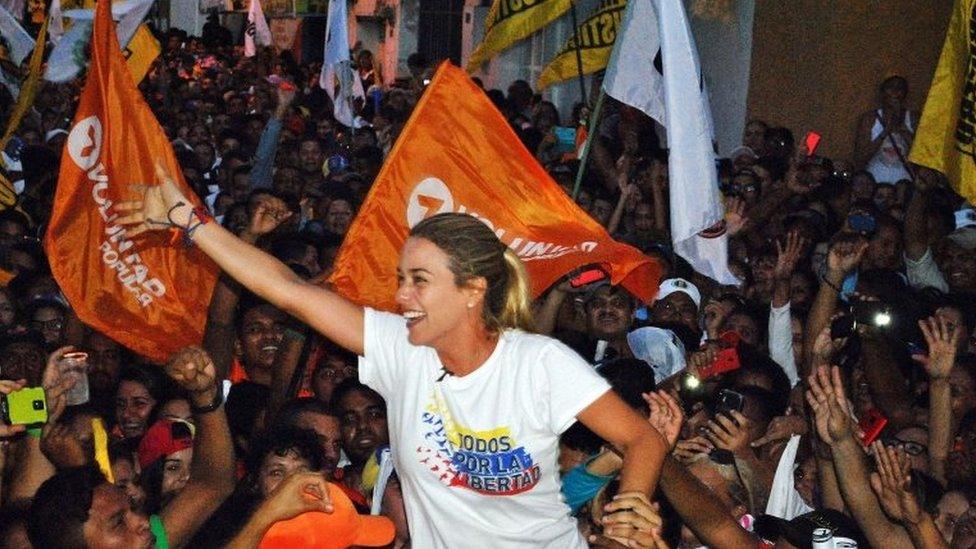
column 340, row 529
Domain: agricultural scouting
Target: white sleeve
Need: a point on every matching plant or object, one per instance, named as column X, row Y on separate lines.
column 571, row 385
column 781, row 341
column 384, row 341
column 924, row 272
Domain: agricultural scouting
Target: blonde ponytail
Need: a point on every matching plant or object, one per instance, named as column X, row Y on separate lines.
column 517, row 310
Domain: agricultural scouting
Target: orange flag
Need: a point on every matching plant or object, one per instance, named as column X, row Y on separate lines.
column 148, row 296
column 458, row 154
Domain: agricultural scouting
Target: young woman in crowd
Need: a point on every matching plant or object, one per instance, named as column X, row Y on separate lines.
column 465, row 314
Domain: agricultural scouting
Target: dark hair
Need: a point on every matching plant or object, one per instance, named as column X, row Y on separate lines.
column 150, row 377
column 895, row 81
column 353, row 385
column 60, row 508
column 630, row 378
column 280, row 441
column 755, row 363
column 474, row 252
column 297, row 406
column 580, row 437
column 151, row 477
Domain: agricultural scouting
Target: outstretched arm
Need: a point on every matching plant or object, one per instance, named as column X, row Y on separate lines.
column 212, row 468
column 325, row 311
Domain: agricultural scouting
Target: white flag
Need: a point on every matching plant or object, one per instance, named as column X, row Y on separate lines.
column 68, row 56
column 55, row 26
column 336, row 65
column 256, row 32
column 655, row 38
column 18, row 43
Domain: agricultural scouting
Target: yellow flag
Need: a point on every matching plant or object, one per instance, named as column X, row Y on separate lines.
column 512, row 20
column 596, row 37
column 142, row 50
column 946, row 135
column 8, row 197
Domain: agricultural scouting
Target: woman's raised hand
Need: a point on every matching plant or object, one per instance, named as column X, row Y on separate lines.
column 157, row 209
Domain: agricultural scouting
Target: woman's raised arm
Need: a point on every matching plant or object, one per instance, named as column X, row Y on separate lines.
column 164, row 206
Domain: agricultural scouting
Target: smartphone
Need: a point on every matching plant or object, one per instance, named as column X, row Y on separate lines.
column 588, row 276
column 871, row 426
column 812, row 141
column 726, row 361
column 24, row 407
column 842, row 326
column 729, row 400
column 565, row 138
column 871, row 313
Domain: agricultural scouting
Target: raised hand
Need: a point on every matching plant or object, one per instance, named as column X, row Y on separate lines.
column 730, row 432
column 688, row 450
column 6, row 387
column 716, row 310
column 782, row 428
column 297, row 494
column 824, row 347
column 845, row 255
column 155, row 210
column 60, row 446
column 269, row 213
column 632, row 520
column 735, row 215
column 193, row 369
column 787, row 256
column 830, row 407
column 286, row 94
column 56, row 386
column 892, row 484
column 942, row 341
column 666, row 415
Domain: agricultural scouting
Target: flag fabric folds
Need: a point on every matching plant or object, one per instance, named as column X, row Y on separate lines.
column 25, row 100
column 509, row 21
column 678, row 100
column 257, row 32
column 596, row 38
column 457, row 153
column 16, row 40
column 68, row 57
column 337, row 68
column 946, row 136
column 147, row 295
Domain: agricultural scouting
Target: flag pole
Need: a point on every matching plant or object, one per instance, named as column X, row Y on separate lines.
column 591, row 131
column 579, row 54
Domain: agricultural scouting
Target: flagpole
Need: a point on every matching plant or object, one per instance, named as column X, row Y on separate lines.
column 579, row 54
column 591, row 131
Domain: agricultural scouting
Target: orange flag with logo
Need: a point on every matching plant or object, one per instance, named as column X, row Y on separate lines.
column 457, row 153
column 149, row 296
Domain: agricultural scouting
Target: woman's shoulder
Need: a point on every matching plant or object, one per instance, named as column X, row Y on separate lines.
column 529, row 344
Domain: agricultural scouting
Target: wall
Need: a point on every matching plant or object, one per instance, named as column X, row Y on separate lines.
column 817, row 64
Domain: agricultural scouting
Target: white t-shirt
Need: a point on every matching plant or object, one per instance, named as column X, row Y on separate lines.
column 476, row 455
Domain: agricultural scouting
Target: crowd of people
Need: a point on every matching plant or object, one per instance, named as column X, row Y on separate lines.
column 828, row 399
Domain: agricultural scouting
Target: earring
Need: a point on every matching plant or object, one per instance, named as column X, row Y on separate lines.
column 470, row 305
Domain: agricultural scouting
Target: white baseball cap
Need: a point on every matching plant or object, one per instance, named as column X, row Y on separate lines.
column 673, row 285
